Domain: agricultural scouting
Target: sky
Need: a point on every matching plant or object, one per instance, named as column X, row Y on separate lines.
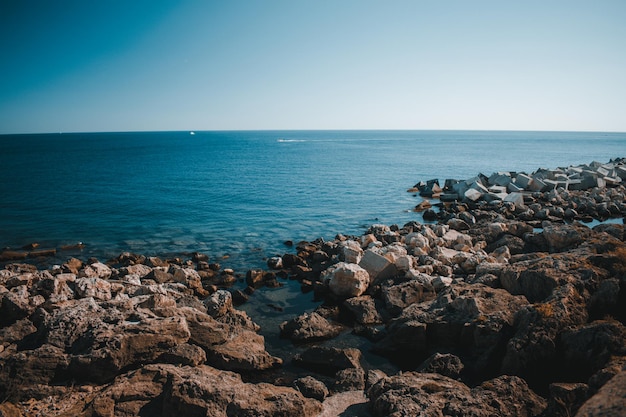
column 83, row 66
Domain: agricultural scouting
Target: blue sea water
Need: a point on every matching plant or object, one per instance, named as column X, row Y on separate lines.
column 241, row 194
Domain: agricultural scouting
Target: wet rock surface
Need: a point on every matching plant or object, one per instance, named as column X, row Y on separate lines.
column 500, row 306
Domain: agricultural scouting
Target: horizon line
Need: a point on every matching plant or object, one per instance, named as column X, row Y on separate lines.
column 305, row 130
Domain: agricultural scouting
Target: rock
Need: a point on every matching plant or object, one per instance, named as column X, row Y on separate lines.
column 445, row 364
column 254, row 278
column 532, row 351
column 198, row 391
column 311, row 388
column 378, row 267
column 589, row 348
column 474, row 318
column 609, row 401
column 563, row 237
column 566, row 398
column 349, row 379
column 219, row 303
column 96, row 270
column 275, row 262
column 363, row 309
column 93, row 287
column 328, row 360
column 188, row 277
column 412, row 394
column 398, row 297
column 242, row 352
column 346, row 279
column 309, row 327
column 15, row 305
column 536, row 278
column 350, row 251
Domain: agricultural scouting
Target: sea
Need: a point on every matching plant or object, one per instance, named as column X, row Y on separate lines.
column 238, row 196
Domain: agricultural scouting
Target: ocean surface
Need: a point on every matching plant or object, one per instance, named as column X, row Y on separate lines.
column 242, row 194
column 237, row 196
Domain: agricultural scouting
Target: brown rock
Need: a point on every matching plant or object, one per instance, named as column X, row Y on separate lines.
column 309, row 327
column 610, row 401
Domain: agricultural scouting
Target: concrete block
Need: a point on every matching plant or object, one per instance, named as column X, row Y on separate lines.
column 377, row 266
column 576, row 185
column 448, row 197
column 513, row 188
column 551, row 184
column 473, row 195
column 515, row 198
column 477, row 185
column 500, row 178
column 489, row 197
column 460, row 188
column 449, row 184
column 612, row 181
column 497, row 189
column 522, row 180
column 537, row 185
column 603, row 171
column 620, row 170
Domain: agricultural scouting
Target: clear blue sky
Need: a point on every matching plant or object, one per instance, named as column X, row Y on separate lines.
column 340, row 64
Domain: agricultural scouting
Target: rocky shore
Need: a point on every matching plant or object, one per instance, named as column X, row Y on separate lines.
column 497, row 306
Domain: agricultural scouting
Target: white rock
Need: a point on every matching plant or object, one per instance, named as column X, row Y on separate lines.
column 347, row 279
column 350, row 251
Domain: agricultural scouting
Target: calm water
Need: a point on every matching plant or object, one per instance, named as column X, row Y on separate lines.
column 244, row 193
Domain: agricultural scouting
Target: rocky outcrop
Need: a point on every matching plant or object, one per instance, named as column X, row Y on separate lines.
column 412, row 394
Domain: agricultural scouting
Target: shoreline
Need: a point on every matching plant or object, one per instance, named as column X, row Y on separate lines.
column 491, row 304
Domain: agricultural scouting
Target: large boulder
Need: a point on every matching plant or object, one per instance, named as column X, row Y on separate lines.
column 309, row 327
column 93, row 287
column 532, row 350
column 561, row 237
column 346, row 280
column 610, row 401
column 200, row 391
column 474, row 319
column 328, row 360
column 426, row 394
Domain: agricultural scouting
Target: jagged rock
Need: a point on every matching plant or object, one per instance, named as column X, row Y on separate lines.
column 474, row 318
column 328, row 359
column 93, row 287
column 363, row 309
column 349, row 379
column 242, row 352
column 445, row 364
column 609, row 401
column 564, row 236
column 531, row 352
column 398, row 297
column 412, row 394
column 309, row 327
column 588, row 348
column 200, row 391
column 311, row 388
column 219, row 303
column 566, row 398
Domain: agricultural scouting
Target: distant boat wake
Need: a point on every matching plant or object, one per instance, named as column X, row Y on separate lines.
column 290, row 140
